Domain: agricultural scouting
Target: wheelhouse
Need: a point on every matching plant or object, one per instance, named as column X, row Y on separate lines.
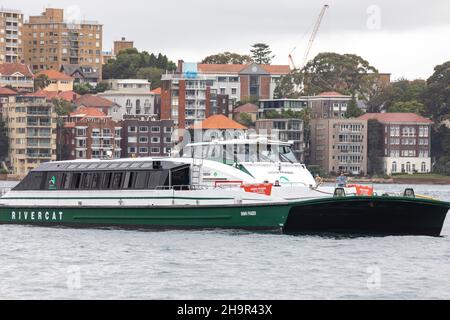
column 106, row 175
column 238, row 151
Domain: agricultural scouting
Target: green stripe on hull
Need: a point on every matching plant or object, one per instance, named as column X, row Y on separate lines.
column 229, row 217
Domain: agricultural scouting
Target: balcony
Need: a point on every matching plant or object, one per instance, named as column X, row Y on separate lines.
column 35, row 155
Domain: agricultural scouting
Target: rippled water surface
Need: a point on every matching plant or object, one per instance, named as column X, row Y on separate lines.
column 45, row 263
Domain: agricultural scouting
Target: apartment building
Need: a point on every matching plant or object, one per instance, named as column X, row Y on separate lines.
column 329, row 105
column 11, row 24
column 121, row 45
column 339, row 145
column 288, row 130
column 31, row 123
column 146, row 136
column 191, row 94
column 407, row 142
column 279, row 105
column 134, row 96
column 49, row 41
column 90, row 134
column 17, row 76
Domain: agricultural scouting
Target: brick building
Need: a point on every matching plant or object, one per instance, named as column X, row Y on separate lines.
column 49, row 41
column 193, row 93
column 145, row 136
column 407, row 142
column 329, row 105
column 90, row 134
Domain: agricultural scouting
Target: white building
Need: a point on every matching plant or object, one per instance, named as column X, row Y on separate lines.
column 134, row 96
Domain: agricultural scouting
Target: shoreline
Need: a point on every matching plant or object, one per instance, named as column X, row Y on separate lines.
column 412, row 180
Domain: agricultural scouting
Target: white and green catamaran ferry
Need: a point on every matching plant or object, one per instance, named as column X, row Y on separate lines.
column 254, row 184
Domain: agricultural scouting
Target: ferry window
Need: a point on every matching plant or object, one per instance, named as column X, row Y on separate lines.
column 158, row 179
column 116, row 180
column 181, row 178
column 33, row 181
column 128, row 180
column 95, row 180
column 86, row 181
column 76, row 181
column 65, row 182
column 106, row 180
column 141, row 180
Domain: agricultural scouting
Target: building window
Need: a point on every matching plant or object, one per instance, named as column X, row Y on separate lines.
column 143, row 139
column 143, row 129
column 132, row 129
column 408, row 167
column 394, row 167
column 143, row 150
column 424, row 167
column 156, row 150
column 156, row 129
column 156, row 140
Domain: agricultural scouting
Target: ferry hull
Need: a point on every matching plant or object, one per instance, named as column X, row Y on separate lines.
column 368, row 216
column 251, row 217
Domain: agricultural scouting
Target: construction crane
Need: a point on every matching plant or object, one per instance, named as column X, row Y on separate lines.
column 311, row 41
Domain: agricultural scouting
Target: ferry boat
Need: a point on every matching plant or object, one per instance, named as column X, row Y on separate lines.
column 134, row 193
column 254, row 184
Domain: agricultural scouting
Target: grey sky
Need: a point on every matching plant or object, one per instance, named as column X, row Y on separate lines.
column 408, row 39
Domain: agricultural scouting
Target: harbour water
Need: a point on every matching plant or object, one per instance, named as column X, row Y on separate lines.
column 58, row 263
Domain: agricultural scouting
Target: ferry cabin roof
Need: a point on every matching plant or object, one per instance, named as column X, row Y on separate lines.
column 106, row 175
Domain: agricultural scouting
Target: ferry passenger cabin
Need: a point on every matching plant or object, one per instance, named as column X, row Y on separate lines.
column 107, row 175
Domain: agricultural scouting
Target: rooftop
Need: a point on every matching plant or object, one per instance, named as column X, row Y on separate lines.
column 219, row 122
column 91, row 101
column 248, row 107
column 7, row 92
column 88, row 112
column 237, row 68
column 7, row 69
column 396, row 117
column 55, row 75
column 331, row 94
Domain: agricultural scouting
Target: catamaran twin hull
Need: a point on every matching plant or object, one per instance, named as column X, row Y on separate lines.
column 347, row 215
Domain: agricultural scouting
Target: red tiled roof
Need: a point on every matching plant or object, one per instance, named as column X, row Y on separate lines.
column 156, row 91
column 220, row 122
column 236, row 68
column 396, row 117
column 94, row 102
column 88, row 112
column 249, row 107
column 7, row 92
column 70, row 96
column 331, row 94
column 55, row 75
column 11, row 68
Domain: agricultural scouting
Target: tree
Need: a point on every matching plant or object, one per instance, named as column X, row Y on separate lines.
column 62, row 107
column 348, row 73
column 152, row 74
column 128, row 62
column 83, row 88
column 436, row 97
column 407, row 106
column 353, row 111
column 227, row 58
column 288, row 87
column 41, row 82
column 375, row 147
column 101, row 87
column 246, row 120
column 261, row 53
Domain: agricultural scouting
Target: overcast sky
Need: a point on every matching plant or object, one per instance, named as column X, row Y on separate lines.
column 404, row 37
